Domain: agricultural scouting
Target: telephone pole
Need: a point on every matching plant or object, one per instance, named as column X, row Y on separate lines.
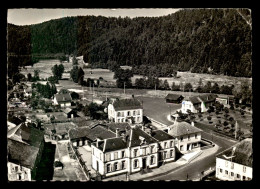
column 124, row 88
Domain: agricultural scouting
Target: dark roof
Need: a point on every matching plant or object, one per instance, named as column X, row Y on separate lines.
column 67, row 110
column 173, row 97
column 161, row 135
column 208, row 97
column 194, row 100
column 243, row 153
column 20, row 153
column 112, row 144
column 120, row 126
column 31, row 135
column 127, row 104
column 182, row 128
column 91, row 134
column 63, row 97
column 134, row 138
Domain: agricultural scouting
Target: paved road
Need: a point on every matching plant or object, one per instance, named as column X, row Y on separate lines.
column 194, row 169
column 157, row 109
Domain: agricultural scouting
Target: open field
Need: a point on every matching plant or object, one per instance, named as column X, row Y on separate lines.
column 183, row 77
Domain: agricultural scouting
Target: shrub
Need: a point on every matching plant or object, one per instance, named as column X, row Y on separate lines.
column 231, row 119
column 58, row 164
column 225, row 123
column 209, row 118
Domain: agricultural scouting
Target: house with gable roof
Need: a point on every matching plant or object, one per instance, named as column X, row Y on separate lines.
column 187, row 137
column 64, row 100
column 125, row 110
column 236, row 162
column 198, row 102
column 24, row 147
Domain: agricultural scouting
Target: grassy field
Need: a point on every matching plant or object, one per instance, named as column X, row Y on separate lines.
column 243, row 121
column 183, row 77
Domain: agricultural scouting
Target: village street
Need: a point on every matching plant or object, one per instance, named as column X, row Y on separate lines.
column 195, row 167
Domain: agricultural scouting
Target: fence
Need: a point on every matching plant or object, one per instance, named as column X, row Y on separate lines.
column 81, row 162
column 157, row 123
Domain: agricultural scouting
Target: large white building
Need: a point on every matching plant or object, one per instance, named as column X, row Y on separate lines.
column 133, row 152
column 235, row 163
column 125, row 110
column 198, row 102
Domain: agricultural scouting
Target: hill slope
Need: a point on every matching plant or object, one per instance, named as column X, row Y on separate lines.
column 188, row 40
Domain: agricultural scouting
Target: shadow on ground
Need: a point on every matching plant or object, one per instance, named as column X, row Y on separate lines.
column 45, row 167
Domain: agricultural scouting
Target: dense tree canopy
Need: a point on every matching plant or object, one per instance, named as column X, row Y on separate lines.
column 214, row 41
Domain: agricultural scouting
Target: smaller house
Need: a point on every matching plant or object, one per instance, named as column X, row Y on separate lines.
column 28, row 92
column 196, row 103
column 187, row 137
column 235, row 163
column 70, row 113
column 85, row 136
column 174, row 98
column 226, row 100
column 25, row 146
column 64, row 100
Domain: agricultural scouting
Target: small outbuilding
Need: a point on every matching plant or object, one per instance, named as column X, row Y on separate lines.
column 174, row 98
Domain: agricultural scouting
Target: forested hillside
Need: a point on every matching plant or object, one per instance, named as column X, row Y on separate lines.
column 197, row 40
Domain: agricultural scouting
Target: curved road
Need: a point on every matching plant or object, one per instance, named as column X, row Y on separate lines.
column 194, row 168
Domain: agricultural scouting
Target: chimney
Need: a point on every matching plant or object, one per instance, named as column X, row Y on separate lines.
column 192, row 123
column 98, row 139
column 143, row 127
column 117, row 132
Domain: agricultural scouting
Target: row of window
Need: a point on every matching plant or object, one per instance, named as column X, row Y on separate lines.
column 136, row 119
column 238, row 176
column 116, row 166
column 145, row 151
column 189, row 147
column 165, row 144
column 117, row 155
column 166, row 154
column 189, row 137
column 232, row 166
column 137, row 163
column 122, row 114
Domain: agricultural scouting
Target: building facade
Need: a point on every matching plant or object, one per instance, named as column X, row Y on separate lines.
column 235, row 163
column 198, row 103
column 187, row 137
column 135, row 151
column 125, row 110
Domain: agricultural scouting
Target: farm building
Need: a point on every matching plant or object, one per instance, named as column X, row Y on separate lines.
column 196, row 103
column 70, row 113
column 174, row 98
column 226, row 100
column 235, row 163
column 64, row 100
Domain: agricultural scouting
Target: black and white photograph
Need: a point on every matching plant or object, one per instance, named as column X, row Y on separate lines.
column 129, row 94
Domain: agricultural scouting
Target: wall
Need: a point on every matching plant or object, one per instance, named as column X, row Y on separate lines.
column 13, row 175
column 186, row 141
column 123, row 114
column 227, row 166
